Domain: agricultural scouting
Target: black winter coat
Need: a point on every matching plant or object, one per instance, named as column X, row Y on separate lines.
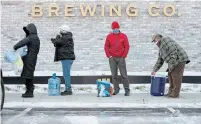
column 64, row 47
column 33, row 44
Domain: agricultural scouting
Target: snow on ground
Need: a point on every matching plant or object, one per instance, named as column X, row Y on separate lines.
column 45, row 119
column 109, row 120
column 135, row 88
column 97, row 73
column 98, row 105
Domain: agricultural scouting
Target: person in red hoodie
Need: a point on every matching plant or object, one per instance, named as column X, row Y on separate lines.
column 116, row 49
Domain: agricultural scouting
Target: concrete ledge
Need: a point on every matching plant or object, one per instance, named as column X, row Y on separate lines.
column 92, row 79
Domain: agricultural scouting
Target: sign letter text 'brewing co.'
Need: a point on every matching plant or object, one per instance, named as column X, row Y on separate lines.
column 99, row 9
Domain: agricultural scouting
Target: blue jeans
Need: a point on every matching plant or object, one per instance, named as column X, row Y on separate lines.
column 66, row 66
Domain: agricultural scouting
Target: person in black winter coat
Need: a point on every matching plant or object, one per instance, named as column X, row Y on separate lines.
column 64, row 52
column 32, row 42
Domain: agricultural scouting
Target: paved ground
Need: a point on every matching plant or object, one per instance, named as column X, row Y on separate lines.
column 101, row 116
column 89, row 109
column 189, row 100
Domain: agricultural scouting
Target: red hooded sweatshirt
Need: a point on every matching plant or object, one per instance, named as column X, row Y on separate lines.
column 116, row 45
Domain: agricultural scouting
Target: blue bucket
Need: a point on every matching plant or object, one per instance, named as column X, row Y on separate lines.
column 158, row 85
column 103, row 86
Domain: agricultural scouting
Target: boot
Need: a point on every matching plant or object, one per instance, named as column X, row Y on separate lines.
column 28, row 93
column 127, row 92
column 116, row 91
column 29, row 89
column 169, row 92
column 66, row 93
column 174, row 94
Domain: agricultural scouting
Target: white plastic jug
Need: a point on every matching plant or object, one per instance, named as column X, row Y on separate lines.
column 23, row 51
column 10, row 56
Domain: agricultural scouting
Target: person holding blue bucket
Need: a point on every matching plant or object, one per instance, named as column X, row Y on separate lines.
column 64, row 52
column 32, row 42
column 173, row 54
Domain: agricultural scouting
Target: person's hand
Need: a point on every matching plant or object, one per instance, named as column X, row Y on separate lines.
column 153, row 73
column 58, row 37
column 53, row 40
column 124, row 57
column 13, row 50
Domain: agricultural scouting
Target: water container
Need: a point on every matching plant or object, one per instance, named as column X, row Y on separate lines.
column 54, row 85
column 11, row 56
column 16, row 60
column 18, row 65
column 158, row 85
column 105, row 88
column 23, row 51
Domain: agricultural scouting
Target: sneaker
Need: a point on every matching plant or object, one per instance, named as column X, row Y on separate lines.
column 66, row 93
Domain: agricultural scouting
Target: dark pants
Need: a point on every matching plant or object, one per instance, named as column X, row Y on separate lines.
column 29, row 84
column 175, row 79
column 120, row 63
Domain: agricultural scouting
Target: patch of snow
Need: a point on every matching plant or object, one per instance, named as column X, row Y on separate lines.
column 165, row 120
column 92, row 88
column 94, row 73
column 93, row 0
column 98, row 105
column 83, row 119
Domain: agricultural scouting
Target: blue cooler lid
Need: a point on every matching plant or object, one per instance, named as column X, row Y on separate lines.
column 158, row 77
column 162, row 76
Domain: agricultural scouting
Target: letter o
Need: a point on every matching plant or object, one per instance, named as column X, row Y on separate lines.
column 165, row 10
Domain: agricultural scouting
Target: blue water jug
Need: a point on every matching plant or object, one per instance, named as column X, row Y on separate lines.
column 158, row 85
column 54, row 85
column 103, row 88
column 11, row 56
column 23, row 51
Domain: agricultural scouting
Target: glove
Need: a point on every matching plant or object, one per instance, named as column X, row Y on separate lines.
column 14, row 49
column 58, row 37
column 53, row 40
column 153, row 73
